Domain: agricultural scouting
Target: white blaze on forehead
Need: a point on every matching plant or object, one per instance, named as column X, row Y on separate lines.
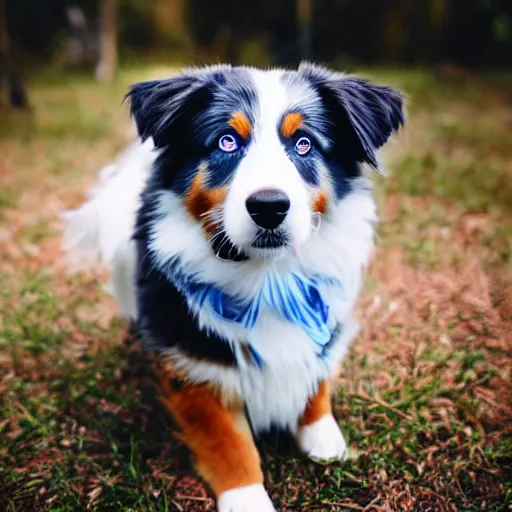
column 267, row 165
column 273, row 101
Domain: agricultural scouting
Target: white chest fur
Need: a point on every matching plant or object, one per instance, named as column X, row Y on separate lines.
column 277, row 392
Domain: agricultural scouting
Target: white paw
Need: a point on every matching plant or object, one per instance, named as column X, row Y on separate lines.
column 251, row 498
column 322, row 440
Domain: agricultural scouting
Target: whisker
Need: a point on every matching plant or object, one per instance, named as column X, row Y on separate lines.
column 316, row 221
column 213, row 222
column 223, row 243
column 215, row 217
column 212, row 211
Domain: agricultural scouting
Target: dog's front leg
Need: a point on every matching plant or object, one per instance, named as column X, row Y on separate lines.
column 216, row 430
column 318, row 434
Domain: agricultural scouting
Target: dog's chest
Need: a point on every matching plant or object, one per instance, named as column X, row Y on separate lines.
column 283, row 355
column 276, row 391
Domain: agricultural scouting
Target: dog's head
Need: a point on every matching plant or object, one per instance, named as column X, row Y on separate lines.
column 257, row 156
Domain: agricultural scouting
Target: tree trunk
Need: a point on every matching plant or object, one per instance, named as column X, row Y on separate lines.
column 107, row 64
column 16, row 92
column 171, row 22
column 304, row 9
column 437, row 12
column 395, row 39
column 4, row 36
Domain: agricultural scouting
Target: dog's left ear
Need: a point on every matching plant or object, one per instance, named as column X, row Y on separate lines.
column 165, row 109
column 364, row 115
column 159, row 105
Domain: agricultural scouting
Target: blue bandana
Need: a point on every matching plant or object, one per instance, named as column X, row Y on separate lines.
column 294, row 297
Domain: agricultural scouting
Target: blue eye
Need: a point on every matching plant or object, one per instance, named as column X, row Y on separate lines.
column 228, row 143
column 302, row 146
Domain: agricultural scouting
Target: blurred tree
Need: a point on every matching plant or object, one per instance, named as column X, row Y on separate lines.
column 107, row 64
column 304, row 8
column 396, row 35
column 82, row 42
column 170, row 18
column 343, row 32
column 16, row 92
column 436, row 15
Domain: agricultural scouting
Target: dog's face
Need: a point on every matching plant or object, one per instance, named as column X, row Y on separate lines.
column 258, row 156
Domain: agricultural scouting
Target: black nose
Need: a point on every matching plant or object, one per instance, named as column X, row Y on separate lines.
column 268, row 207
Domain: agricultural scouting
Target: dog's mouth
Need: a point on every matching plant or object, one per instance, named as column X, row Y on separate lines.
column 224, row 249
column 271, row 239
column 267, row 243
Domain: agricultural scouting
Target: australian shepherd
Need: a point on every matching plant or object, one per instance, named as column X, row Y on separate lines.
column 236, row 231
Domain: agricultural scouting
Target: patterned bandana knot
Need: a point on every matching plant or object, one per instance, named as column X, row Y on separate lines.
column 294, row 297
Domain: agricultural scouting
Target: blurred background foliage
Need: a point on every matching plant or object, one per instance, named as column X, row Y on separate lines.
column 343, row 32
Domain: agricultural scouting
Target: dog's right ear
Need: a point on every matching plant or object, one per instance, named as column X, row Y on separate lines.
column 158, row 106
column 364, row 115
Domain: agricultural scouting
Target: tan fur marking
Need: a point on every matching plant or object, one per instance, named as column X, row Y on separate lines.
column 318, row 405
column 215, row 429
column 320, row 202
column 291, row 123
column 241, row 124
column 200, row 200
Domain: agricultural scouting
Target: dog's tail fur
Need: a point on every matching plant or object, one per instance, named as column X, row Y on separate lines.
column 101, row 229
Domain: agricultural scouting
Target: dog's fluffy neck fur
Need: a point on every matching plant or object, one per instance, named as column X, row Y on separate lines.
column 286, row 363
column 172, row 234
column 240, row 291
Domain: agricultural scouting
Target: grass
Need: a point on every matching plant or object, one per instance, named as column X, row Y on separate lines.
column 424, row 396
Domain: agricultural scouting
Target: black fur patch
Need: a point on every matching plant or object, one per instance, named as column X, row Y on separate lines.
column 164, row 319
column 363, row 115
column 185, row 116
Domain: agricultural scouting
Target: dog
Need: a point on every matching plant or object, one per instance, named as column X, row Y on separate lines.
column 237, row 229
